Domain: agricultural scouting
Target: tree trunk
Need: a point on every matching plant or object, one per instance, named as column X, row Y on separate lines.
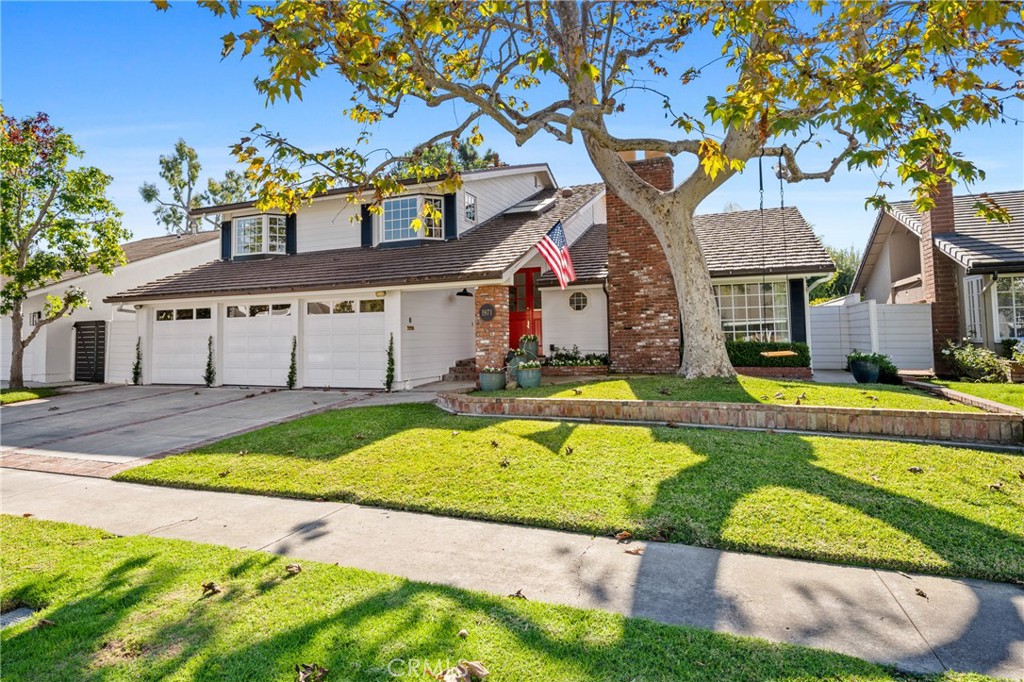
column 17, row 377
column 704, row 353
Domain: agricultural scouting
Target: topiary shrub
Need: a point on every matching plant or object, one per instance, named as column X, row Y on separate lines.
column 748, row 354
column 293, row 371
column 137, row 367
column 210, row 375
column 389, row 375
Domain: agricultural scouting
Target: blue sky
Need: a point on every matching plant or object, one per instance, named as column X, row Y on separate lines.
column 127, row 81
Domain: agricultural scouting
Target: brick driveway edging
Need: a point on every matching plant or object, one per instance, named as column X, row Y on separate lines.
column 982, row 428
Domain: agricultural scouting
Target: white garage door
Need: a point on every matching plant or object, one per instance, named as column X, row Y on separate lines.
column 258, row 344
column 180, row 338
column 344, row 343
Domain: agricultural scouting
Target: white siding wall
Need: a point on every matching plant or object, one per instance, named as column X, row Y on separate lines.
column 591, row 214
column 494, row 195
column 442, row 332
column 879, row 284
column 56, row 352
column 328, row 224
column 902, row 331
column 565, row 327
column 121, row 338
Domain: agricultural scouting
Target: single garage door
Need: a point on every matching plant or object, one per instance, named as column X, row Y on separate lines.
column 344, row 343
column 258, row 344
column 180, row 345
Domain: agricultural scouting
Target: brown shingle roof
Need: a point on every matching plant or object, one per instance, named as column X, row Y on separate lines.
column 732, row 245
column 141, row 249
column 979, row 245
column 481, row 253
column 589, row 258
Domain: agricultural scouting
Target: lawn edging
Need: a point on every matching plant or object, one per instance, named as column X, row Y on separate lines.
column 965, row 398
column 990, row 428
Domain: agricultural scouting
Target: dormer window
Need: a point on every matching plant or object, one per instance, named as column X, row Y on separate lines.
column 260, row 234
column 400, row 212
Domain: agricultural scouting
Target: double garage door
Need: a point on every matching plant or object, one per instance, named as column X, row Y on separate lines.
column 342, row 343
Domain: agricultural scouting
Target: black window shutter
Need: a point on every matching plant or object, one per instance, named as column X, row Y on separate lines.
column 451, row 218
column 225, row 240
column 367, row 226
column 797, row 312
column 290, row 237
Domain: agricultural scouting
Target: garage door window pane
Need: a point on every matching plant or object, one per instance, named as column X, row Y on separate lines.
column 202, row 313
column 371, row 306
column 344, row 307
column 317, row 308
column 184, row 314
column 238, row 311
column 259, row 310
column 164, row 315
column 281, row 309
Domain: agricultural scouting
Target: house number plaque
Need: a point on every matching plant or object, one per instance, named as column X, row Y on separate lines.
column 487, row 312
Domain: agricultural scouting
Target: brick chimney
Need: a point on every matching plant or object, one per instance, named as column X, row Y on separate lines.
column 939, row 275
column 643, row 314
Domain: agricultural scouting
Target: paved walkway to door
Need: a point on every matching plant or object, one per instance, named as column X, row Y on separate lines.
column 963, row 625
column 102, row 432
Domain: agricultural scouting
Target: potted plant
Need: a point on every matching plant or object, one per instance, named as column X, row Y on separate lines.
column 514, row 357
column 1015, row 368
column 492, row 379
column 528, row 374
column 528, row 344
column 864, row 367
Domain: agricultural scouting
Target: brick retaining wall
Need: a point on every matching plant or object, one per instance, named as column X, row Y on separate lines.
column 1003, row 429
column 574, row 370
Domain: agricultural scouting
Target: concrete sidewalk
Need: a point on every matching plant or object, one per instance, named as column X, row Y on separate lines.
column 963, row 625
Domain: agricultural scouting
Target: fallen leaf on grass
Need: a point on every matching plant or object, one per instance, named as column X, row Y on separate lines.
column 779, row 396
column 1021, row 474
column 44, row 623
column 319, row 499
column 224, row 473
column 463, row 634
column 504, row 462
column 518, row 594
column 995, row 487
column 658, row 537
column 577, row 391
column 293, row 569
column 623, row 535
column 211, row 588
column 636, row 551
column 568, row 449
column 802, row 396
column 871, row 397
column 797, row 402
column 916, row 470
column 455, row 433
column 465, row 671
column 875, row 478
column 27, row 514
column 494, row 443
column 672, row 425
column 921, row 593
column 310, row 672
column 360, row 436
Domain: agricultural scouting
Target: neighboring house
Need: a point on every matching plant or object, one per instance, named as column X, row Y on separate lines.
column 970, row 270
column 97, row 343
column 339, row 281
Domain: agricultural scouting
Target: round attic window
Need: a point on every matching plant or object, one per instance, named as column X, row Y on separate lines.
column 577, row 300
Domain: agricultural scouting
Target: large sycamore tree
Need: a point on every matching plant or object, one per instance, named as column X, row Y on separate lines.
column 55, row 220
column 881, row 86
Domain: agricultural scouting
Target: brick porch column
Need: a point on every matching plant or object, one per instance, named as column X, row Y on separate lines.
column 939, row 276
column 491, row 335
column 643, row 314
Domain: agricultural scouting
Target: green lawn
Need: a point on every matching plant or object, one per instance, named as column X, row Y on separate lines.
column 744, row 390
column 130, row 608
column 1007, row 394
column 17, row 395
column 835, row 499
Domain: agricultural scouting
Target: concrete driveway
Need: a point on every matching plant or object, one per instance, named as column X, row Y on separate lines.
column 125, row 423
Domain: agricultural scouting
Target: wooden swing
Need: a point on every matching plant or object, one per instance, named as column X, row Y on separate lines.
column 782, row 205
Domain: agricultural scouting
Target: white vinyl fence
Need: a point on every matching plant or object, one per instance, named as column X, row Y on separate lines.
column 902, row 331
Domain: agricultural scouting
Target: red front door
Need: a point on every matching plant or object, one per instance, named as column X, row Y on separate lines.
column 524, row 307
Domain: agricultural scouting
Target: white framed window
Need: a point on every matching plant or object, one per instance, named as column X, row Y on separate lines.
column 183, row 314
column 972, row 308
column 754, row 311
column 470, row 207
column 400, row 212
column 1009, row 304
column 258, row 234
column 578, row 301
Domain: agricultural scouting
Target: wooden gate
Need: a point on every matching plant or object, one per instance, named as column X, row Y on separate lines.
column 90, row 347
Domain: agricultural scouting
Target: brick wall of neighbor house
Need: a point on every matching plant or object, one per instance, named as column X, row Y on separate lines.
column 939, row 276
column 643, row 315
column 492, row 336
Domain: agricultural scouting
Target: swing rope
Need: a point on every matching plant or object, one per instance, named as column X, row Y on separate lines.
column 764, row 254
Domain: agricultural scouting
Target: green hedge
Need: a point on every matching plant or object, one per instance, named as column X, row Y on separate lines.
column 748, row 354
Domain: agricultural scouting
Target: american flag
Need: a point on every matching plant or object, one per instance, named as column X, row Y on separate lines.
column 555, row 250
